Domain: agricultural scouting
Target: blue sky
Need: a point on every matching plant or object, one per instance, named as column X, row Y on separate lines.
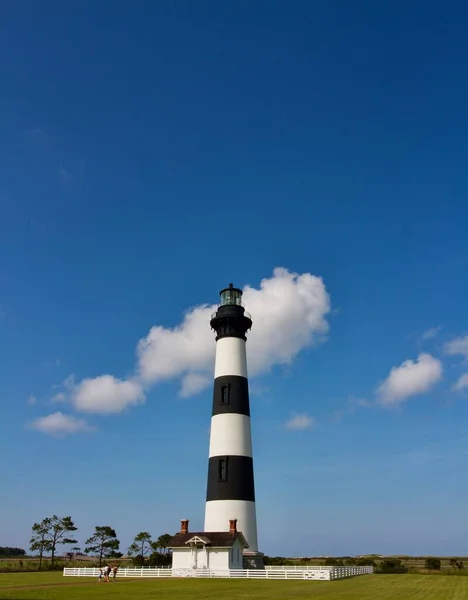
column 153, row 152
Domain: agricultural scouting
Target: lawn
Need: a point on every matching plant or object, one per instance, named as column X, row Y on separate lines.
column 373, row 587
column 31, row 579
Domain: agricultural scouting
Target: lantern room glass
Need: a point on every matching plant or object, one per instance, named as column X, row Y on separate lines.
column 231, row 296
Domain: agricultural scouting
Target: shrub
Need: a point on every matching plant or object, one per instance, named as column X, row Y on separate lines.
column 277, row 560
column 139, row 561
column 157, row 559
column 334, row 562
column 365, row 562
column 433, row 563
column 391, row 565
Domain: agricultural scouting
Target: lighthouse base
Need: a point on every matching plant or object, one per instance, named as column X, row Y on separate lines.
column 253, row 560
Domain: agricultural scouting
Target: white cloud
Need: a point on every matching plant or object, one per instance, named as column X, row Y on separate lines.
column 106, row 394
column 289, row 314
column 300, row 421
column 409, row 379
column 168, row 353
column 288, row 311
column 457, row 346
column 60, row 425
column 462, row 383
column 68, row 383
column 352, row 405
column 32, row 400
column 430, row 333
column 193, row 383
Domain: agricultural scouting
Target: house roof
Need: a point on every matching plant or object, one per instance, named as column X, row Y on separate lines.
column 219, row 539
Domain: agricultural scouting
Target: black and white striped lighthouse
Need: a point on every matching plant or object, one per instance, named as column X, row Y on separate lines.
column 231, row 490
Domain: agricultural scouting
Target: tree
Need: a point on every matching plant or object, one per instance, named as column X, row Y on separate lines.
column 433, row 563
column 158, row 559
column 456, row 564
column 57, row 528
column 160, row 545
column 9, row 552
column 140, row 547
column 40, row 541
column 103, row 543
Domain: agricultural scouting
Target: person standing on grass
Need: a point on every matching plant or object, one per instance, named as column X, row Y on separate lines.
column 115, row 568
column 107, row 571
column 100, row 576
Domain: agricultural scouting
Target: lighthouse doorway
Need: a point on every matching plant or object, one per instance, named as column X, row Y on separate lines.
column 199, row 557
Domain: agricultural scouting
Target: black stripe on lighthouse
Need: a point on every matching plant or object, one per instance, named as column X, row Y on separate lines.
column 230, row 478
column 231, row 395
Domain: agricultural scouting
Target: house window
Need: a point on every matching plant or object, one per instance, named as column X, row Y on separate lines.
column 222, row 469
column 225, row 394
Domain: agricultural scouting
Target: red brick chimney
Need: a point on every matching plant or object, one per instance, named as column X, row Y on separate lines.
column 184, row 526
column 232, row 525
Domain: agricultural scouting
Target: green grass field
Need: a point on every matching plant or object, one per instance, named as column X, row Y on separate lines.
column 53, row 586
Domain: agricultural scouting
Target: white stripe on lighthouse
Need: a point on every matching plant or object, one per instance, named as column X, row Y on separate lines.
column 230, row 435
column 218, row 513
column 231, row 357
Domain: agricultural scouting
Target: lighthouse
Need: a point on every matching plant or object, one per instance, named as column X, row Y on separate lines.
column 230, row 489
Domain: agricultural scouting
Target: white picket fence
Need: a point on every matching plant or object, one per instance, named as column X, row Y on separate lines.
column 343, row 572
column 335, row 572
column 281, row 572
column 294, row 567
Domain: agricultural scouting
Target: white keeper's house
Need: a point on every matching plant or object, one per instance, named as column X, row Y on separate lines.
column 215, row 550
